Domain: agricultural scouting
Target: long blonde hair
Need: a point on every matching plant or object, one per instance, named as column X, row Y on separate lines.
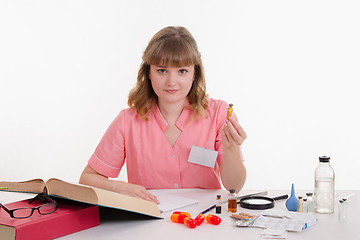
column 171, row 46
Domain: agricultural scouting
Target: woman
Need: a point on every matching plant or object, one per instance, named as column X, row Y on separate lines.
column 172, row 135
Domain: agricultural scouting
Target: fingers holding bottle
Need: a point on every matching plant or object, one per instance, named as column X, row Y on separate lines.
column 232, row 132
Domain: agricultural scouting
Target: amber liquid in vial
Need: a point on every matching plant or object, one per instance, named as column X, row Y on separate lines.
column 232, row 205
column 230, row 111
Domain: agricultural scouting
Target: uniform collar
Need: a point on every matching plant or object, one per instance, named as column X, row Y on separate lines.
column 180, row 122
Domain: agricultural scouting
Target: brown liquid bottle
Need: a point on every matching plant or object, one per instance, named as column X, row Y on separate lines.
column 230, row 111
column 232, row 201
column 218, row 204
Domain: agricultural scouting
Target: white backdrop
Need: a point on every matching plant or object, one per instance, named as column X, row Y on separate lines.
column 290, row 67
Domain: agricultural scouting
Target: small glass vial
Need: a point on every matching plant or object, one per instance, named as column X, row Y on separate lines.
column 218, row 204
column 324, row 194
column 230, row 111
column 342, row 209
column 305, row 205
column 310, row 202
column 232, row 201
column 300, row 204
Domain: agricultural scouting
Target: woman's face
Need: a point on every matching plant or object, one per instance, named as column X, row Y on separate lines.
column 171, row 84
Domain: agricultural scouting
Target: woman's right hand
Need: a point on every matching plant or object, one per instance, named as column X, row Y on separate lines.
column 92, row 178
column 135, row 191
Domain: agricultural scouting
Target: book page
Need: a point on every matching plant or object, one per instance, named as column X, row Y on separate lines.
column 169, row 202
column 72, row 191
column 7, row 232
column 126, row 202
column 101, row 197
column 30, row 186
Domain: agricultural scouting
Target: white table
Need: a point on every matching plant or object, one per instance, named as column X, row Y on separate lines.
column 124, row 225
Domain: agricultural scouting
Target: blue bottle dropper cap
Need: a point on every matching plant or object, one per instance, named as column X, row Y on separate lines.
column 291, row 203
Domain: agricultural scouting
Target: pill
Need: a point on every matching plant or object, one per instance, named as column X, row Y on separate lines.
column 178, row 218
column 213, row 219
column 186, row 213
column 189, row 222
column 199, row 219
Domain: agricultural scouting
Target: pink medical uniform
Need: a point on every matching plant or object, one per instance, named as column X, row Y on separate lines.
column 151, row 160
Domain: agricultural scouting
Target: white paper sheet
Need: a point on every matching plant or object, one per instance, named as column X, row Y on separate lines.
column 170, row 202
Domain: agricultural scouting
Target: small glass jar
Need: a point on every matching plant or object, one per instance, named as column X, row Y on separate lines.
column 218, row 204
column 232, row 201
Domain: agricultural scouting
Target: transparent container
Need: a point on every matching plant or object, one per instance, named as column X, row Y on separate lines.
column 310, row 202
column 218, row 204
column 324, row 194
column 232, row 201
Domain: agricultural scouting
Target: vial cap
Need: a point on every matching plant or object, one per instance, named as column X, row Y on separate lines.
column 309, row 194
column 324, row 159
column 218, row 196
column 232, row 190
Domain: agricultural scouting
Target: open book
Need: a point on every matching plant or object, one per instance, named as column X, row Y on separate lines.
column 58, row 188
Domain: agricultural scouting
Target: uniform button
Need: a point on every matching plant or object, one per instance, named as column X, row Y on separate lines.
column 176, row 185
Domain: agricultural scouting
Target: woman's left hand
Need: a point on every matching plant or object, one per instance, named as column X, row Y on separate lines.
column 232, row 134
column 232, row 169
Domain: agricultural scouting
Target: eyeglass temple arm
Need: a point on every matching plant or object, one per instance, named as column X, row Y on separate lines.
column 43, row 194
column 5, row 208
column 43, row 197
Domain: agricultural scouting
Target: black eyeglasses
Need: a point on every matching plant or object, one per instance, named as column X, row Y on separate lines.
column 26, row 212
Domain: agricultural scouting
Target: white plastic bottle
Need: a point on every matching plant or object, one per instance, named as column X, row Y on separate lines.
column 324, row 194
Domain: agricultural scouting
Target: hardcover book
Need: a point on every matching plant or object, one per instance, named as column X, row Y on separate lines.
column 68, row 218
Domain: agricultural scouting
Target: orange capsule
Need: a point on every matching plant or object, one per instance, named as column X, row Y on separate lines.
column 189, row 222
column 185, row 213
column 178, row 218
column 213, row 219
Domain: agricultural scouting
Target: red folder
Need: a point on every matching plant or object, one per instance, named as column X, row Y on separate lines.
column 69, row 217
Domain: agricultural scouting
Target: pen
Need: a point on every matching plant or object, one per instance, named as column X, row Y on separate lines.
column 205, row 211
column 238, row 200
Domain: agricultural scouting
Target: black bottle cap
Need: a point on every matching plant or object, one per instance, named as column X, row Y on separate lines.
column 232, row 190
column 324, row 159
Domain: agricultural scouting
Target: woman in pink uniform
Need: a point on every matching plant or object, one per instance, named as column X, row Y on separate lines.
column 172, row 135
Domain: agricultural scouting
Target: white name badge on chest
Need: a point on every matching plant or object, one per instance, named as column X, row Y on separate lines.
column 203, row 156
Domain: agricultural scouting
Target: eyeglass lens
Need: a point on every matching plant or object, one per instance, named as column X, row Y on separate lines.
column 47, row 208
column 22, row 212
